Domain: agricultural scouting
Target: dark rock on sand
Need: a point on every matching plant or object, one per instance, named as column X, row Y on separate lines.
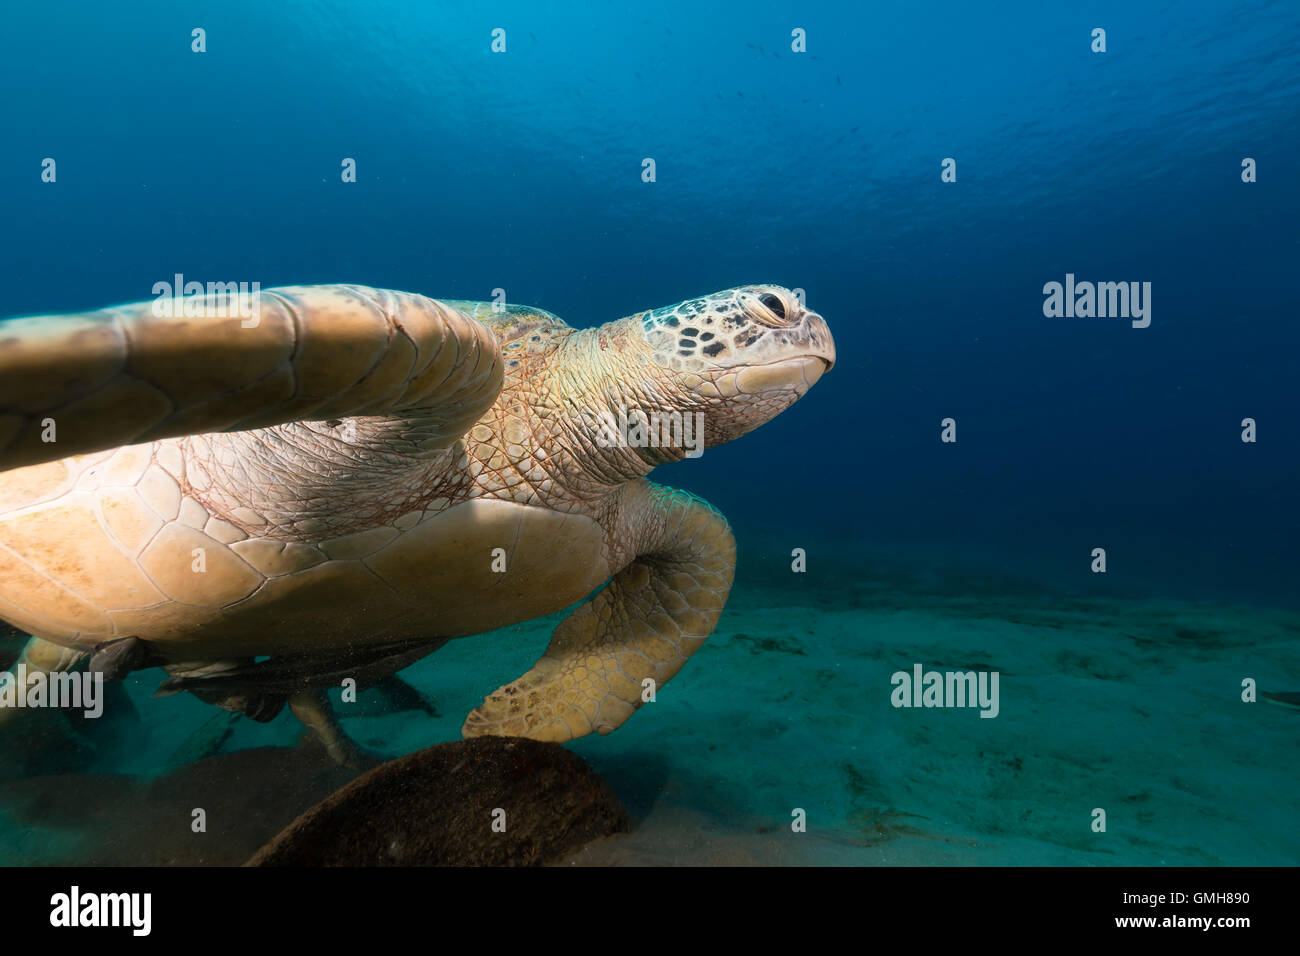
column 437, row 807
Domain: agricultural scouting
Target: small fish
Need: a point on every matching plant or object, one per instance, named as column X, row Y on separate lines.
column 117, row 658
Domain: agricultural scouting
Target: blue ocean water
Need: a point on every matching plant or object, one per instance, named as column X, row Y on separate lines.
column 522, row 170
column 817, row 170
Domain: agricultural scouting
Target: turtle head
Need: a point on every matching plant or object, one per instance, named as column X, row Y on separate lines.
column 738, row 357
column 668, row 383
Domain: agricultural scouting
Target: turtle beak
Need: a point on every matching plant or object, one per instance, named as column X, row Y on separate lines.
column 821, row 345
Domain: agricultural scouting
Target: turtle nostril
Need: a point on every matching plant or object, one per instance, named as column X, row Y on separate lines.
column 774, row 304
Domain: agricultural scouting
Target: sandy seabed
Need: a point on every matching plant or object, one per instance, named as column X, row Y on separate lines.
column 1131, row 706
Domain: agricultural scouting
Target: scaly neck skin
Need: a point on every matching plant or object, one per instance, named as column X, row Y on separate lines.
column 607, row 371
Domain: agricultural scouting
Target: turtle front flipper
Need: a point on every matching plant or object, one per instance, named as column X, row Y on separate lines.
column 72, row 384
column 644, row 624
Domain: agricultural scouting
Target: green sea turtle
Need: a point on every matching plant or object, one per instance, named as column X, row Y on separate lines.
column 338, row 482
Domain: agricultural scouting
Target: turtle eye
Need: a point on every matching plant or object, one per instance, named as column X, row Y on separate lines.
column 773, row 304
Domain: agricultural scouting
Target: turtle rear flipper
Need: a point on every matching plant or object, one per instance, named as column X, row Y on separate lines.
column 72, row 384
